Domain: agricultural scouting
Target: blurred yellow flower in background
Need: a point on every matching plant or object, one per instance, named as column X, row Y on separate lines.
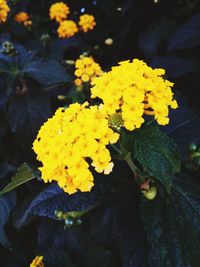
column 24, row 18
column 4, row 10
column 59, row 11
column 67, row 28
column 87, row 22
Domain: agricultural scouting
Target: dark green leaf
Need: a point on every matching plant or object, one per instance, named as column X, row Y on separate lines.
column 119, row 222
column 46, row 72
column 26, row 113
column 7, row 203
column 6, row 169
column 54, row 198
column 184, row 126
column 177, row 64
column 172, row 224
column 187, row 35
column 23, row 175
column 156, row 152
column 156, row 33
column 56, row 258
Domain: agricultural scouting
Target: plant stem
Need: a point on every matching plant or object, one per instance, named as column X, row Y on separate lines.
column 131, row 164
column 127, row 158
column 117, row 149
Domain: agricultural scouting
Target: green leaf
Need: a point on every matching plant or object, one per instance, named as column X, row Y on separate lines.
column 46, row 72
column 172, row 224
column 54, row 198
column 26, row 113
column 23, row 175
column 156, row 152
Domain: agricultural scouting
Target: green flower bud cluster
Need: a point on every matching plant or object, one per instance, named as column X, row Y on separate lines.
column 8, row 48
column 70, row 218
column 115, row 121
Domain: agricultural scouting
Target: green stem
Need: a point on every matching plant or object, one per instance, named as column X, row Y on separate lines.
column 131, row 164
column 117, row 149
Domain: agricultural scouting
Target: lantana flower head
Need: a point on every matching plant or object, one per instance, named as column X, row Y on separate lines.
column 134, row 89
column 70, row 142
column 86, row 70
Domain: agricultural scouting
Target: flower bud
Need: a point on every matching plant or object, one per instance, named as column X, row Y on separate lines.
column 150, row 193
column 61, row 97
column 115, row 121
column 8, row 49
column 58, row 213
column 109, row 41
column 69, row 221
column 78, row 221
column 192, row 147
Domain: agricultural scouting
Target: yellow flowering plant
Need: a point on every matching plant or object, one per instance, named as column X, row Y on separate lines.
column 95, row 166
column 79, row 134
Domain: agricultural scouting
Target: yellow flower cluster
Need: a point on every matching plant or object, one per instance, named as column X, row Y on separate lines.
column 59, row 11
column 86, row 70
column 133, row 89
column 37, row 262
column 67, row 28
column 4, row 10
column 87, row 22
column 23, row 17
column 68, row 140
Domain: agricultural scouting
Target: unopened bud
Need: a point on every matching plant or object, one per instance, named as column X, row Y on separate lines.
column 115, row 121
column 70, row 62
column 61, row 97
column 109, row 41
column 58, row 213
column 69, row 221
column 150, row 193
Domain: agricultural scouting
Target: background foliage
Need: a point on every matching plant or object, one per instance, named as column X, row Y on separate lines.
column 121, row 229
